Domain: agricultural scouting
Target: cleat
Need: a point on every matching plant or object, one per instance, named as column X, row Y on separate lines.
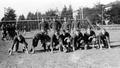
column 10, row 52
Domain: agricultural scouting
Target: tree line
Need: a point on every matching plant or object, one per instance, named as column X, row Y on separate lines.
column 97, row 14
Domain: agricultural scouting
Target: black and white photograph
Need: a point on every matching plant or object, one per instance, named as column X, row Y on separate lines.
column 59, row 33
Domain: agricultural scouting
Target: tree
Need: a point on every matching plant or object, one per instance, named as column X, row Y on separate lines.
column 113, row 14
column 30, row 16
column 51, row 14
column 9, row 15
column 21, row 25
column 70, row 12
column 64, row 12
column 94, row 14
column 33, row 16
column 37, row 15
column 30, row 25
column 21, row 17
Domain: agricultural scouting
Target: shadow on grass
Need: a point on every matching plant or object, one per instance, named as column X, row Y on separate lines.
column 114, row 41
column 56, row 50
column 115, row 46
column 20, row 52
column 40, row 51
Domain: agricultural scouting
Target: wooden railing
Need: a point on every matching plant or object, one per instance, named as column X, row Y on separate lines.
column 110, row 27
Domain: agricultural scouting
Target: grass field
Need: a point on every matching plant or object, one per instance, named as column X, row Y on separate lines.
column 93, row 58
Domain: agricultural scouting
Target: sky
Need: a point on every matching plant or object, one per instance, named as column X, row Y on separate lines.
column 24, row 6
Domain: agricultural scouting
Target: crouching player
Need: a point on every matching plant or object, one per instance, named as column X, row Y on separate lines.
column 16, row 41
column 65, row 41
column 4, row 32
column 89, row 37
column 105, row 38
column 55, row 40
column 78, row 40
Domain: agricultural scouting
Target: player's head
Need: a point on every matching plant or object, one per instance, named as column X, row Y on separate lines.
column 53, row 19
column 77, row 33
column 63, row 32
column 18, row 32
column 79, row 30
column 88, row 30
column 45, row 32
column 42, row 31
column 56, row 33
column 67, row 30
column 103, row 31
column 65, row 19
column 42, row 20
